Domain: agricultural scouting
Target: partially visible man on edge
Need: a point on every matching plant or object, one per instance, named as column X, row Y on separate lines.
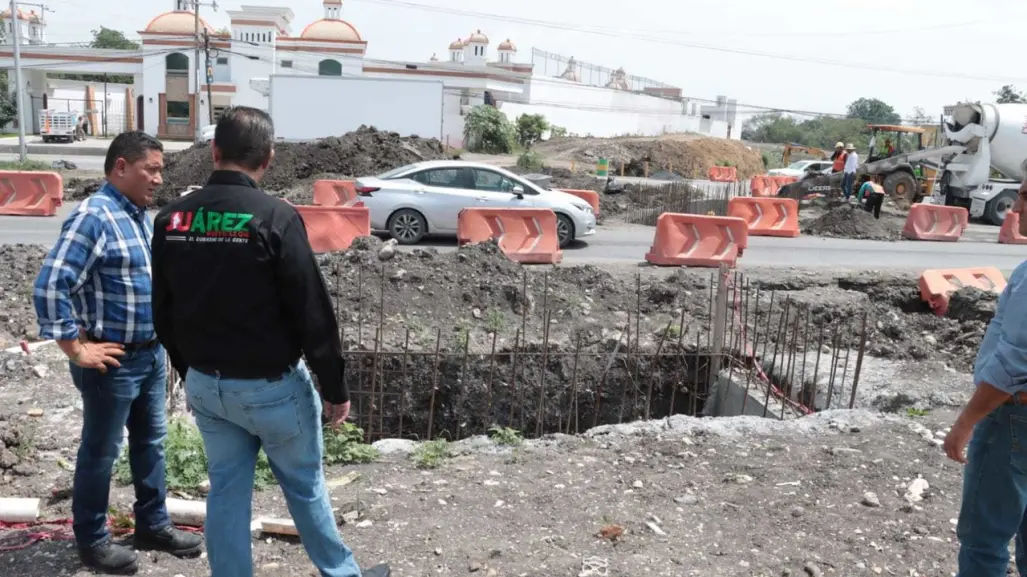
column 93, row 297
column 995, row 477
column 238, row 297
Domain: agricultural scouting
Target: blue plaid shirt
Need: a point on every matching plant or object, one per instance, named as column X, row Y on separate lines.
column 97, row 276
column 1002, row 358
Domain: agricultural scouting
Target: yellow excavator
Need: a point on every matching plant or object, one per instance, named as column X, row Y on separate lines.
column 786, row 155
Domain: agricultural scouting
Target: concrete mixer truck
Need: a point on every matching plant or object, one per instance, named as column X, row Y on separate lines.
column 994, row 137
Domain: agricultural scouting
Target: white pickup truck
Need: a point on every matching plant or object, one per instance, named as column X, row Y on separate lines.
column 55, row 125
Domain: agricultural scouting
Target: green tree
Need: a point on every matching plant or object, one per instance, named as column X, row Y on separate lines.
column 530, row 128
column 1008, row 94
column 488, row 130
column 920, row 116
column 820, row 132
column 8, row 103
column 873, row 111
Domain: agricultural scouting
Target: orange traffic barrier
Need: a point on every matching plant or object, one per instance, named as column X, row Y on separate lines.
column 525, row 235
column 1010, row 231
column 767, row 216
column 780, row 181
column 695, row 240
column 335, row 193
column 589, row 196
column 766, row 185
column 333, row 228
column 30, row 193
column 935, row 222
column 723, row 174
column 937, row 285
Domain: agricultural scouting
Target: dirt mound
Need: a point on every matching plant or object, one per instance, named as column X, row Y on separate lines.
column 80, row 188
column 21, row 264
column 362, row 152
column 688, row 157
column 851, row 221
column 972, row 304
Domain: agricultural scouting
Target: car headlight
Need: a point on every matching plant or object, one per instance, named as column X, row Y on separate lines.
column 583, row 207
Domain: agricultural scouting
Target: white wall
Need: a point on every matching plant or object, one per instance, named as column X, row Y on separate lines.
column 71, row 95
column 604, row 112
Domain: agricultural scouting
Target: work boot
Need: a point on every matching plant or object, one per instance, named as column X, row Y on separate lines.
column 170, row 540
column 110, row 559
column 377, row 571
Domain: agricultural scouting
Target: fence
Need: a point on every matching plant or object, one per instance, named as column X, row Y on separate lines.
column 649, row 201
column 550, row 64
column 110, row 116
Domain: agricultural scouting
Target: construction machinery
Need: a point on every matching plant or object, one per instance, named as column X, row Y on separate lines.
column 992, row 137
column 786, row 155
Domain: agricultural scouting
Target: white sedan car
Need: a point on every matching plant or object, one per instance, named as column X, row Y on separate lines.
column 425, row 198
column 799, row 168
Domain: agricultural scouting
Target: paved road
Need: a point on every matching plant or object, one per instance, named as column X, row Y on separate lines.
column 90, row 162
column 626, row 244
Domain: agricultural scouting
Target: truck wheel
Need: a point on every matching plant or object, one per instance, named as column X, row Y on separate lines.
column 901, row 186
column 997, row 208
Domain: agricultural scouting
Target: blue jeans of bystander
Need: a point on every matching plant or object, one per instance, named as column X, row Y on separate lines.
column 994, row 495
column 237, row 417
column 848, row 179
column 131, row 395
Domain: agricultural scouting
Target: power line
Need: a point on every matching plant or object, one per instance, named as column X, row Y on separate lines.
column 707, row 47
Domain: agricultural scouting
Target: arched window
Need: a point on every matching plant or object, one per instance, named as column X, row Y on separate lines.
column 329, row 68
column 176, row 63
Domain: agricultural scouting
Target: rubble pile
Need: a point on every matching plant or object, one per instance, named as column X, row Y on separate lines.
column 16, row 452
column 972, row 304
column 80, row 188
column 21, row 264
column 363, row 152
column 844, row 220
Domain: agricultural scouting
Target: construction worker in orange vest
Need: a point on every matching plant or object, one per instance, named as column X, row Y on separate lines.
column 838, row 158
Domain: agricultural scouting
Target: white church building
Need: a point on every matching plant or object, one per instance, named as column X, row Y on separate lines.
column 165, row 99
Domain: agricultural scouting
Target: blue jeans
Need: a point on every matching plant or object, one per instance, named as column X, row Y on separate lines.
column 236, row 418
column 131, row 395
column 848, row 179
column 994, row 495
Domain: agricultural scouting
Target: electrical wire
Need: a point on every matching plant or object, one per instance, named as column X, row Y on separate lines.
column 705, row 47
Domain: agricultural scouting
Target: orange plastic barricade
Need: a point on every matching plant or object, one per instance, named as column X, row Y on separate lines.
column 936, row 222
column 1010, row 231
column 525, row 235
column 589, row 196
column 30, row 193
column 695, row 240
column 723, row 174
column 333, row 228
column 937, row 285
column 780, row 181
column 335, row 193
column 767, row 216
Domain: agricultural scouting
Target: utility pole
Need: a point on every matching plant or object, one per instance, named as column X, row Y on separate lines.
column 16, row 39
column 200, row 42
column 210, row 75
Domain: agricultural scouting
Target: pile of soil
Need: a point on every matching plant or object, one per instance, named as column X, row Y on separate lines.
column 846, row 220
column 972, row 304
column 80, row 188
column 363, row 152
column 16, row 451
column 21, row 264
column 683, row 155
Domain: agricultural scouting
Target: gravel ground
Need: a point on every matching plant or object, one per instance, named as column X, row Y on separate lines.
column 737, row 496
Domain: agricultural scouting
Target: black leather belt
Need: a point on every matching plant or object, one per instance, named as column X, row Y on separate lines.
column 130, row 347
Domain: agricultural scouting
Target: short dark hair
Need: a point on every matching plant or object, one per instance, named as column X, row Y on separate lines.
column 245, row 136
column 132, row 146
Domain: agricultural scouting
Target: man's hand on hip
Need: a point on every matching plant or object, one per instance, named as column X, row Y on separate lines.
column 337, row 414
column 98, row 355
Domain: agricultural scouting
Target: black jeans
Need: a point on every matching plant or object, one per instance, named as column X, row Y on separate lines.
column 874, row 202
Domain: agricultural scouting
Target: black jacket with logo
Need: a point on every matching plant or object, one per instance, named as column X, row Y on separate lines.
column 237, row 289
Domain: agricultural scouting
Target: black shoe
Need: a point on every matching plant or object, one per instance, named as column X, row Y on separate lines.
column 110, row 559
column 377, row 571
column 170, row 540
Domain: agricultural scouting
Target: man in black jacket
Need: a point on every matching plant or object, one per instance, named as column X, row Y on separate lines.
column 238, row 298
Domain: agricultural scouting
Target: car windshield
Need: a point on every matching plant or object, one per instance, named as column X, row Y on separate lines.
column 798, row 165
column 395, row 172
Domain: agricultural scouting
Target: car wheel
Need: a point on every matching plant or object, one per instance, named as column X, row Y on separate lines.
column 407, row 226
column 564, row 230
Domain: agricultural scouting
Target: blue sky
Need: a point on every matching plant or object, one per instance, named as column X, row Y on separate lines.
column 906, row 52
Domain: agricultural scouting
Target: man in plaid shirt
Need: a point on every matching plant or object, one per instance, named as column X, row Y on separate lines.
column 93, row 297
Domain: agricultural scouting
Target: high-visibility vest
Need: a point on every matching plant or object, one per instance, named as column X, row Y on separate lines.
column 839, row 162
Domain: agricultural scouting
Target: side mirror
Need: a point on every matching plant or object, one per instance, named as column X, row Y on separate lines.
column 517, row 191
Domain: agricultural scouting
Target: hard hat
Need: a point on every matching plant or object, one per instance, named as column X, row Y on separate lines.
column 840, row 145
column 850, row 147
